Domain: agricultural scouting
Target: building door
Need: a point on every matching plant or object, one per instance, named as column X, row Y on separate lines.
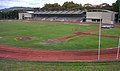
column 23, row 17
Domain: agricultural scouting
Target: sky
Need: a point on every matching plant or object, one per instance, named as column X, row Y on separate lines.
column 40, row 3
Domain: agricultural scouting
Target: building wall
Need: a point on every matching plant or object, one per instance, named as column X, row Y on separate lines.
column 25, row 16
column 107, row 17
column 94, row 15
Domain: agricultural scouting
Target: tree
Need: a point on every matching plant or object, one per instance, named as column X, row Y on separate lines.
column 52, row 7
column 10, row 14
column 116, row 5
column 71, row 6
column 66, row 6
column 36, row 9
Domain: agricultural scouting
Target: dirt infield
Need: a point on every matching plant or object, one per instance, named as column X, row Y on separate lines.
column 55, row 55
column 88, row 33
column 75, row 34
column 23, row 38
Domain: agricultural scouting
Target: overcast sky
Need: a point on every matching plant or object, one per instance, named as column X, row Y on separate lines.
column 40, row 3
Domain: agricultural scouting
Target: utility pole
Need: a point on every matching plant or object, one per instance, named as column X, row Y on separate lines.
column 118, row 50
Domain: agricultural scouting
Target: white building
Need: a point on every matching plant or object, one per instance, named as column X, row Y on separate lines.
column 27, row 15
column 105, row 15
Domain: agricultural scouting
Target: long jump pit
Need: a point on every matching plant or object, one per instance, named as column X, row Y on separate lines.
column 12, row 53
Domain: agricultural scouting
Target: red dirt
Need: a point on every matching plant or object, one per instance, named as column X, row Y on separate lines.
column 55, row 55
column 6, row 20
column 107, row 36
column 89, row 33
column 66, row 38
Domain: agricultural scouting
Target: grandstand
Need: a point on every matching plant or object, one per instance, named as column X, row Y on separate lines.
column 67, row 16
column 93, row 16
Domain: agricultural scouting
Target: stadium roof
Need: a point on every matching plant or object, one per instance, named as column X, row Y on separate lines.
column 101, row 10
column 59, row 12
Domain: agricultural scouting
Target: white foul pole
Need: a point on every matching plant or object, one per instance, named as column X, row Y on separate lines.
column 99, row 44
column 118, row 50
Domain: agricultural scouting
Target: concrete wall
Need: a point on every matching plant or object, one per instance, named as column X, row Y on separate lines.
column 107, row 17
column 94, row 15
column 24, row 16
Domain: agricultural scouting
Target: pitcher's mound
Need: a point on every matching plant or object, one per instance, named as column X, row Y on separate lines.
column 50, row 41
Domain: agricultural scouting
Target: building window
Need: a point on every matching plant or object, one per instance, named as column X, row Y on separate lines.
column 23, row 17
column 95, row 20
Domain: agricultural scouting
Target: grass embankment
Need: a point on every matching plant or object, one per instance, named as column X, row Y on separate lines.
column 8, row 65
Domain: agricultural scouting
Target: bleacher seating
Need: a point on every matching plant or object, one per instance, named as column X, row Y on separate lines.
column 67, row 16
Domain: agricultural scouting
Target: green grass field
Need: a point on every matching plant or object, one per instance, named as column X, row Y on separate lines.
column 42, row 31
column 8, row 65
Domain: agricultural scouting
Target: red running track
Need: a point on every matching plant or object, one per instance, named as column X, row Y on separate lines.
column 56, row 55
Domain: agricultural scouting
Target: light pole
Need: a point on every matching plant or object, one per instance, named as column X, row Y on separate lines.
column 99, row 44
column 118, row 51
